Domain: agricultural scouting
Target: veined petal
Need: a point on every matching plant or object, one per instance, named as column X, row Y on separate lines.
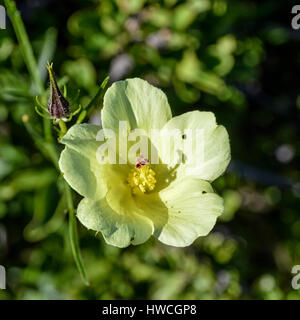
column 193, row 209
column 82, row 138
column 209, row 155
column 137, row 102
column 81, row 168
column 182, row 207
column 78, row 161
column 80, row 172
column 118, row 229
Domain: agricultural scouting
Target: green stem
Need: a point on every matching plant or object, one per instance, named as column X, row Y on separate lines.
column 49, row 149
column 46, row 147
column 47, row 130
column 63, row 127
column 28, row 56
column 97, row 97
column 74, row 235
column 24, row 43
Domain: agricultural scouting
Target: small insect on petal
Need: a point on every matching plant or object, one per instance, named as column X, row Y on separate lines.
column 58, row 105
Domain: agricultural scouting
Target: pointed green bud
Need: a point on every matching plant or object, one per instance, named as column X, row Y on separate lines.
column 58, row 105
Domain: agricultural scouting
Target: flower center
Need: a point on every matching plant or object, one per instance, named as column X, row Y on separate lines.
column 141, row 178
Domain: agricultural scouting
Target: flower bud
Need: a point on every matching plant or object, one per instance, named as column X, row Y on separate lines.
column 58, row 105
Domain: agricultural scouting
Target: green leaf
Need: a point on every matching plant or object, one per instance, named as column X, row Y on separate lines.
column 24, row 42
column 97, row 98
column 47, row 51
column 74, row 236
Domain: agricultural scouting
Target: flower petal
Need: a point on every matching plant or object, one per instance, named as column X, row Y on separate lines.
column 82, row 138
column 117, row 229
column 210, row 153
column 77, row 172
column 137, row 102
column 193, row 209
column 78, row 161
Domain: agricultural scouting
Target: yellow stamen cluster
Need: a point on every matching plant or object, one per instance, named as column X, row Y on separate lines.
column 141, row 179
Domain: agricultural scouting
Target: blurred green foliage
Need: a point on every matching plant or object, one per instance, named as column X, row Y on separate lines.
column 238, row 59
